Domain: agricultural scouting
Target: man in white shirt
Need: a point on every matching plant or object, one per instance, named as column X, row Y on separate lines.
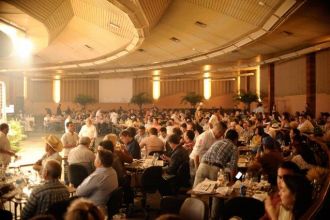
column 82, row 154
column 153, row 142
column 203, row 143
column 114, row 117
column 69, row 140
column 89, row 130
column 5, row 151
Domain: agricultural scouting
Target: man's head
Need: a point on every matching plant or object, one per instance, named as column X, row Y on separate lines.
column 70, row 126
column 153, row 131
column 286, row 168
column 142, row 130
column 174, row 140
column 104, row 158
column 219, row 129
column 52, row 170
column 106, row 145
column 4, row 128
column 232, row 135
column 86, row 141
column 125, row 136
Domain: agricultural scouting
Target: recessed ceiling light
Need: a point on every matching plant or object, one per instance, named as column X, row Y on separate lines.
column 89, row 47
column 287, row 33
column 174, row 39
column 114, row 25
column 200, row 24
column 194, row 49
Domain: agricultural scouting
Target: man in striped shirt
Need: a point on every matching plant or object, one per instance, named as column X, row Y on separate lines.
column 50, row 192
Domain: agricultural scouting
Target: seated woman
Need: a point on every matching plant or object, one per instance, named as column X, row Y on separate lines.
column 256, row 139
column 295, row 195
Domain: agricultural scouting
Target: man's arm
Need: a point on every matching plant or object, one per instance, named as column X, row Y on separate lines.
column 30, row 207
column 86, row 188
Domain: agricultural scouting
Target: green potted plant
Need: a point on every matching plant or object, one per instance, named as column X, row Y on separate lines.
column 247, row 98
column 192, row 98
column 140, row 99
column 83, row 100
column 15, row 135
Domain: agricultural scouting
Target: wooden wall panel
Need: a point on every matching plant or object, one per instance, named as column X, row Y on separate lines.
column 41, row 91
column 323, row 72
column 71, row 88
column 220, row 88
column 252, row 82
column 290, row 77
column 264, row 78
column 142, row 85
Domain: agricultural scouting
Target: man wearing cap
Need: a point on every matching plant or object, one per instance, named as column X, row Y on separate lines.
column 82, row 154
column 5, row 151
column 53, row 146
column 50, row 192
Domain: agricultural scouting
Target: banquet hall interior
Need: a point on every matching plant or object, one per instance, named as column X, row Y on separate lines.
column 125, row 67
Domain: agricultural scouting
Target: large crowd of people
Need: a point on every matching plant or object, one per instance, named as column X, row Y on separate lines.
column 206, row 140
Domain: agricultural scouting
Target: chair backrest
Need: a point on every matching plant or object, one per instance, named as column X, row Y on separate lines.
column 171, row 204
column 194, row 209
column 115, row 201
column 319, row 202
column 58, row 209
column 150, row 179
column 243, row 207
column 77, row 173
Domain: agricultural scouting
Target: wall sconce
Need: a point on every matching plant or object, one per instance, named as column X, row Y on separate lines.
column 207, row 86
column 57, row 90
column 156, row 87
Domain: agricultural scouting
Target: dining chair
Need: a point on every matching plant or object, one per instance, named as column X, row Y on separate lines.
column 77, row 174
column 194, row 209
column 115, row 201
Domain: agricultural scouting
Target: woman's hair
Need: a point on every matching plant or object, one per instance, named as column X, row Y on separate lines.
column 301, row 188
column 190, row 134
column 83, row 209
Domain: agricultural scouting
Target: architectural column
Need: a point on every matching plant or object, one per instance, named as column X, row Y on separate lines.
column 311, row 83
column 271, row 86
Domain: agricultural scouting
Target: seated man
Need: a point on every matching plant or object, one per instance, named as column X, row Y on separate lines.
column 178, row 158
column 132, row 146
column 82, row 154
column 153, row 142
column 52, row 147
column 98, row 186
column 50, row 192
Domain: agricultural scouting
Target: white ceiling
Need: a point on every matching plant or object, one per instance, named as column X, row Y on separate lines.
column 132, row 37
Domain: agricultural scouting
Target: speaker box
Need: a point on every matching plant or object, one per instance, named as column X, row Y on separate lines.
column 19, row 104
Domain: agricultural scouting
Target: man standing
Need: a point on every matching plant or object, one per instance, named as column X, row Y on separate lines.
column 89, row 130
column 69, row 141
column 50, row 192
column 203, row 143
column 220, row 155
column 98, row 186
column 5, row 151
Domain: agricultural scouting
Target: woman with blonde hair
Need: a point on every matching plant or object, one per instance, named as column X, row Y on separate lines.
column 83, row 209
